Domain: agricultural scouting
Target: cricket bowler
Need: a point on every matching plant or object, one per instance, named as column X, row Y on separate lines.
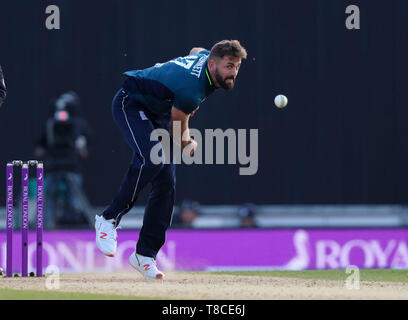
column 152, row 99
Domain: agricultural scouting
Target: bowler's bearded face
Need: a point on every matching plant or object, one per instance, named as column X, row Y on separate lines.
column 226, row 71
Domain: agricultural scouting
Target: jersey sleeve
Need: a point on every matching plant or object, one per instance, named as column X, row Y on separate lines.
column 206, row 52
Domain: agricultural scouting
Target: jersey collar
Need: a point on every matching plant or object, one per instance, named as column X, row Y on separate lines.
column 208, row 76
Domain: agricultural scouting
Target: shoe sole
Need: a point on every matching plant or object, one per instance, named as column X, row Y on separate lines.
column 111, row 255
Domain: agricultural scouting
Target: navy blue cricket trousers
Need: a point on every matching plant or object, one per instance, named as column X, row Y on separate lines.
column 136, row 124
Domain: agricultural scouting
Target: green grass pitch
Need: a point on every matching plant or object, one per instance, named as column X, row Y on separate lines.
column 382, row 275
column 7, row 294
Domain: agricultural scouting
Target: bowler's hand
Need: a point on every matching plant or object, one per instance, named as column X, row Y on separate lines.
column 190, row 147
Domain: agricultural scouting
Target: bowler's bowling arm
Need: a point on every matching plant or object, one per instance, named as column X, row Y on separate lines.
column 179, row 118
column 197, row 50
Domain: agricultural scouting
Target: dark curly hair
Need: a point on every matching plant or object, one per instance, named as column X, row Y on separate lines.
column 230, row 48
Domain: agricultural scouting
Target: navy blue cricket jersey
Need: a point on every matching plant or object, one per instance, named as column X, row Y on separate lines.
column 183, row 82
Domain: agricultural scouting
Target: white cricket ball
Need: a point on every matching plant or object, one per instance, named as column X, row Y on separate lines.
column 281, row 101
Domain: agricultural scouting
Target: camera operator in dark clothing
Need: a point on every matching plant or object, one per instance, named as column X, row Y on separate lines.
column 63, row 146
column 3, row 91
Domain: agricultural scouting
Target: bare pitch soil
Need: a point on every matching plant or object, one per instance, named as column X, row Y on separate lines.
column 198, row 286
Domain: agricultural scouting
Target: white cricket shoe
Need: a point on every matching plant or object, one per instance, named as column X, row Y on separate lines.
column 106, row 235
column 146, row 266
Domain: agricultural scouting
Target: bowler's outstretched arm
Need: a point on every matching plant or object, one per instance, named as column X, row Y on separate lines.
column 197, row 50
